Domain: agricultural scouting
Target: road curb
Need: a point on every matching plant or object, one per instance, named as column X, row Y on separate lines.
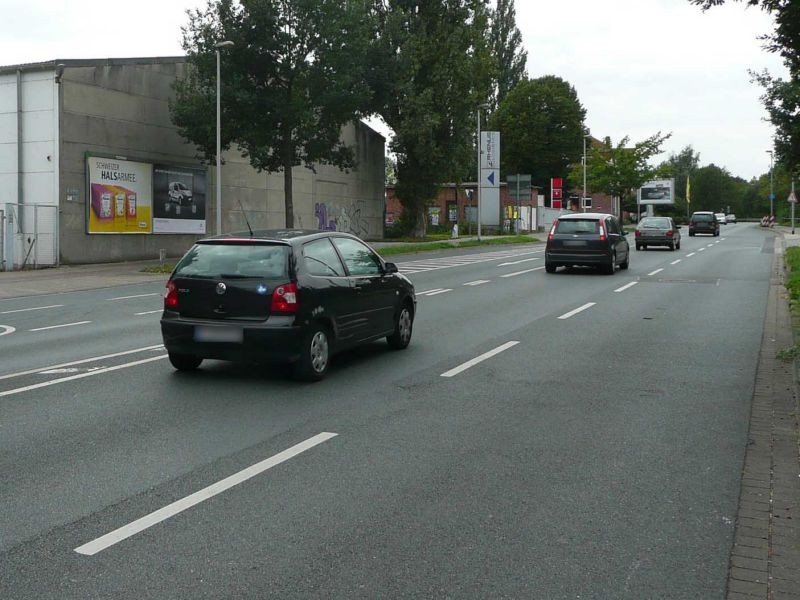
column 765, row 557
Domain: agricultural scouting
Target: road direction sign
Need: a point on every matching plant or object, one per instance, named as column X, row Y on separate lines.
column 523, row 182
column 490, row 178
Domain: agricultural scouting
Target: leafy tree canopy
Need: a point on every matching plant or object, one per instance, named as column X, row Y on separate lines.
column 431, row 69
column 541, row 127
column 510, row 57
column 295, row 75
column 619, row 170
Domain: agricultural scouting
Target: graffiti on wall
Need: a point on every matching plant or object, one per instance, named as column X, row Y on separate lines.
column 349, row 218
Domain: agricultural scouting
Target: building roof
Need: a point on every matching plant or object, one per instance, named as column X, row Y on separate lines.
column 90, row 62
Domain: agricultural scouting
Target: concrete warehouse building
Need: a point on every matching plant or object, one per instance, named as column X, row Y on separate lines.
column 93, row 170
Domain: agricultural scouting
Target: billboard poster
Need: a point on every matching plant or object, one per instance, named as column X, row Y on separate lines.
column 179, row 200
column 659, row 191
column 120, row 198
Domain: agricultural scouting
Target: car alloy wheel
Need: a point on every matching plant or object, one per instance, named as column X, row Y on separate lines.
column 319, row 352
column 315, row 355
column 403, row 327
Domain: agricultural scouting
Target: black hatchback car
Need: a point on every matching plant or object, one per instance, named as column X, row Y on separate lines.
column 587, row 239
column 283, row 296
column 703, row 221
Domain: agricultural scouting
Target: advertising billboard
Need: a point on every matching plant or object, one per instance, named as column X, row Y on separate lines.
column 659, row 191
column 179, row 199
column 120, row 196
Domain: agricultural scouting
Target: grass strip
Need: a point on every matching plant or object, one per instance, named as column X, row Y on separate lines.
column 165, row 268
column 413, row 248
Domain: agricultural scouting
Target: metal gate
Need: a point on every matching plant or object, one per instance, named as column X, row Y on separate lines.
column 29, row 236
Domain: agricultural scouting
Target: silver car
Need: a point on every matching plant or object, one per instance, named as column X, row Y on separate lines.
column 658, row 231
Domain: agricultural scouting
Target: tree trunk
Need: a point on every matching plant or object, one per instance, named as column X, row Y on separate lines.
column 419, row 228
column 287, row 186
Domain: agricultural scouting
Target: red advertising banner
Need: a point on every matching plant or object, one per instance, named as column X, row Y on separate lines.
column 557, row 182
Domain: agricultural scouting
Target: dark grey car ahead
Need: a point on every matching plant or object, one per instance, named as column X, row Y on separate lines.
column 288, row 296
column 658, row 231
column 587, row 239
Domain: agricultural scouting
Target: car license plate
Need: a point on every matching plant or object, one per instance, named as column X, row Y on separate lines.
column 203, row 333
column 575, row 242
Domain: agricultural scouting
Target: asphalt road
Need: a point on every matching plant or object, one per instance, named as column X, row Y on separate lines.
column 590, row 454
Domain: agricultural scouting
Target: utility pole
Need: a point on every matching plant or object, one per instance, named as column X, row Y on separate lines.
column 771, row 187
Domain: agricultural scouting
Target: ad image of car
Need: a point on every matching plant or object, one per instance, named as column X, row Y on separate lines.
column 178, row 196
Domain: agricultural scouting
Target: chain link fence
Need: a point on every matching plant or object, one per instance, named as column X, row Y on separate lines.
column 28, row 236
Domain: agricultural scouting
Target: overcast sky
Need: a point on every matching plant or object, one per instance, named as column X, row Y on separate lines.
column 639, row 66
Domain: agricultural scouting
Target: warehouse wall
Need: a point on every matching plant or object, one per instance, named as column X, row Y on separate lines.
column 121, row 109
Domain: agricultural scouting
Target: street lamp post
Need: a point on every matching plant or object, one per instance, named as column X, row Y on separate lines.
column 583, row 198
column 771, row 187
column 478, row 189
column 225, row 44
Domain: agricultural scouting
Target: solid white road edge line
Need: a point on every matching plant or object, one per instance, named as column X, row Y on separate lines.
column 675, row 262
column 520, row 273
column 651, row 273
column 162, row 514
column 19, row 310
column 136, row 296
column 60, row 326
column 6, row 329
column 36, row 386
column 150, row 312
column 572, row 313
column 626, row 286
column 478, row 359
column 82, row 361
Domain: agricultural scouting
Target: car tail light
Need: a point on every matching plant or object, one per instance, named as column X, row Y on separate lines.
column 670, row 233
column 284, row 299
column 171, row 296
column 602, row 233
column 638, row 233
column 552, row 234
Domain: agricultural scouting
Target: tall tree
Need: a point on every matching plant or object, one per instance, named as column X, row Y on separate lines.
column 679, row 167
column 541, row 123
column 295, row 75
column 510, row 57
column 620, row 169
column 781, row 97
column 431, row 70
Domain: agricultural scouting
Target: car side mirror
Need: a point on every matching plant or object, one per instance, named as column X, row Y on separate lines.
column 389, row 268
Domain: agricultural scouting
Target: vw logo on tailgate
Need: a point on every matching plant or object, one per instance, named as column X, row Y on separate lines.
column 221, row 288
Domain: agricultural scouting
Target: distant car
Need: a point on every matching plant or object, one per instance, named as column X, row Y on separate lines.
column 283, row 296
column 721, row 218
column 731, row 218
column 703, row 221
column 179, row 194
column 658, row 231
column 587, row 239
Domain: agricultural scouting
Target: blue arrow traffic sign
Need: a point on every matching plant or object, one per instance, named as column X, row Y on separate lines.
column 491, row 178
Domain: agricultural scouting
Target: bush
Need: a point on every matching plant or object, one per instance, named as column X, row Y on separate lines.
column 792, row 259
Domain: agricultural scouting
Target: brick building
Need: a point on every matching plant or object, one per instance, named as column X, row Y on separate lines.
column 458, row 204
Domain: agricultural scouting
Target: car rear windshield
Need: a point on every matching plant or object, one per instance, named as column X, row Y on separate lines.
column 226, row 260
column 580, row 226
column 702, row 217
column 656, row 222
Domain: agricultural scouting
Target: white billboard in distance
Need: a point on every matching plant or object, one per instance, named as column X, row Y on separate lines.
column 658, row 191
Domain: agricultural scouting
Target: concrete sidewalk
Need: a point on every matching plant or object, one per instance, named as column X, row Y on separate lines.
column 765, row 558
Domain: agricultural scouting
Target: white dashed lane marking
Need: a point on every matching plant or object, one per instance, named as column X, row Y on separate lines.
column 60, row 326
column 651, row 273
column 675, row 262
column 580, row 309
column 19, row 310
column 521, row 272
column 433, row 264
column 478, row 282
column 478, row 359
column 626, row 286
